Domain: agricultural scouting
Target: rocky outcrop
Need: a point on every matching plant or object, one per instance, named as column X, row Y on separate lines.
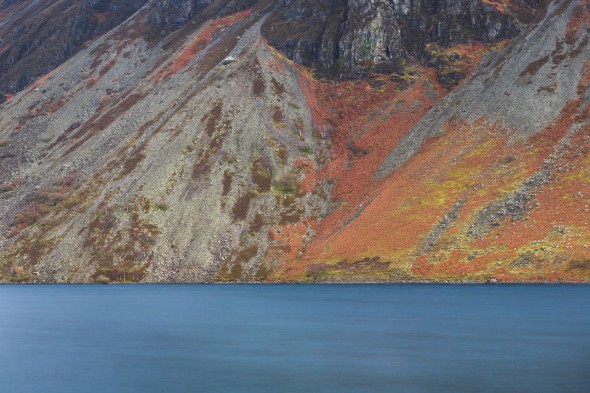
column 352, row 37
column 175, row 12
column 347, row 38
column 371, row 36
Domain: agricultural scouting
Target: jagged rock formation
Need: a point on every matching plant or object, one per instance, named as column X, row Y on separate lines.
column 353, row 37
column 175, row 13
column 454, row 148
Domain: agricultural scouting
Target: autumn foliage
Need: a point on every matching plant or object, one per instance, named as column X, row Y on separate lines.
column 469, row 164
column 199, row 43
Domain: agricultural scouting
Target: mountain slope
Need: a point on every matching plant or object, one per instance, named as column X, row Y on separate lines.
column 493, row 182
column 210, row 151
column 36, row 36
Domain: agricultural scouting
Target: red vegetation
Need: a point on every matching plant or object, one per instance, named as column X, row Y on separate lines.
column 309, row 181
column 475, row 163
column 43, row 202
column 579, row 21
column 500, row 5
column 292, row 240
column 363, row 131
column 43, row 79
column 364, row 120
column 9, row 187
column 550, row 242
column 200, row 42
column 101, row 17
column 276, row 64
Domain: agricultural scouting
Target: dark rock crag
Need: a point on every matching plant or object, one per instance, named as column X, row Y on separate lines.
column 354, row 37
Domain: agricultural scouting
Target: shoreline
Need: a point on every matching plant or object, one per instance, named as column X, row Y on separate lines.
column 327, row 283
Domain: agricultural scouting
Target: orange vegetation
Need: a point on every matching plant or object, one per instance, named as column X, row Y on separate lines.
column 291, row 239
column 500, row 5
column 275, row 65
column 364, row 120
column 363, row 131
column 463, row 164
column 468, row 164
column 43, row 79
column 308, row 183
column 475, row 163
column 579, row 20
column 101, row 17
column 200, row 42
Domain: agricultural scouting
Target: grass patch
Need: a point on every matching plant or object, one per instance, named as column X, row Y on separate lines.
column 306, row 150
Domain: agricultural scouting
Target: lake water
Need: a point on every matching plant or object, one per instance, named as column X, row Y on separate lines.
column 290, row 338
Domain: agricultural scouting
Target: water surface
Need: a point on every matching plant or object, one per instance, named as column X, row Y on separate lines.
column 282, row 339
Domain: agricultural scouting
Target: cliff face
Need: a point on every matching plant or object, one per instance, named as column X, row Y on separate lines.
column 298, row 140
column 177, row 12
column 356, row 37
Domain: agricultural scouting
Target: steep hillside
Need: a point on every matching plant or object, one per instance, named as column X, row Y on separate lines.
column 38, row 35
column 294, row 140
column 492, row 183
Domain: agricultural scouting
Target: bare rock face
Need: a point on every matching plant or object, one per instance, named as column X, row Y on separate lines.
column 347, row 38
column 456, row 21
column 307, row 32
column 371, row 36
column 350, row 37
column 175, row 12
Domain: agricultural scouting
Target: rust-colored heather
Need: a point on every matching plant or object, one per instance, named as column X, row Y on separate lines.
column 199, row 43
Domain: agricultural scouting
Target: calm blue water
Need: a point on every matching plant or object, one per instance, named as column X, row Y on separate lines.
column 281, row 339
